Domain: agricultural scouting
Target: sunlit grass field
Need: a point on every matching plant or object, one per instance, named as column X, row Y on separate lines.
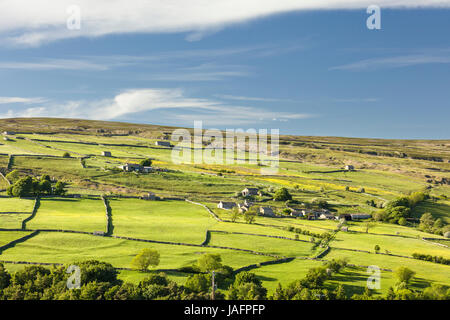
column 70, row 214
column 51, row 247
column 174, row 221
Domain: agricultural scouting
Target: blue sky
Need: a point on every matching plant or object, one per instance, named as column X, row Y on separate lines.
column 306, row 72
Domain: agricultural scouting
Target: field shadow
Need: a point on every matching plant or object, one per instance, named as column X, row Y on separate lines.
column 265, row 278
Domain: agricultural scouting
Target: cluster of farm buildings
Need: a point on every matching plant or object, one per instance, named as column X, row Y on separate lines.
column 310, row 214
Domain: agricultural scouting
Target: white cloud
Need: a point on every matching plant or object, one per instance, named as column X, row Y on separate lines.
column 204, row 71
column 393, row 62
column 39, row 21
column 54, row 64
column 135, row 101
column 7, row 100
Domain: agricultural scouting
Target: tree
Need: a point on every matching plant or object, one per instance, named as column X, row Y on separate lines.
column 60, row 188
column 426, row 222
column 5, row 277
column 209, row 262
column 146, row 162
column 23, row 187
column 246, row 277
column 438, row 223
column 416, row 197
column 247, row 286
column 402, row 221
column 282, row 194
column 45, row 186
column 146, row 258
column 198, row 283
column 369, row 225
column 46, row 177
column 66, row 155
column 377, row 248
column 13, row 176
column 320, row 203
column 96, row 271
column 436, row 292
column 234, row 214
column 316, row 277
column 249, row 217
column 336, row 265
column 404, row 274
column 247, row 291
column 340, row 292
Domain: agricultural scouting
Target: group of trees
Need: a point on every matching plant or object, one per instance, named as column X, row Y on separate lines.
column 312, row 286
column 429, row 257
column 431, row 225
column 307, row 232
column 31, row 186
column 398, row 210
column 146, row 162
column 249, row 216
column 282, row 194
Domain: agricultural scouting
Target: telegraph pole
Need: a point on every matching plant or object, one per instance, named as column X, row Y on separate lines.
column 213, row 291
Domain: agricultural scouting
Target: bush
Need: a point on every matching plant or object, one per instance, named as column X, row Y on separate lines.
column 404, row 274
column 209, row 262
column 146, row 162
column 282, row 194
column 145, row 259
column 66, row 155
column 198, row 283
column 429, row 257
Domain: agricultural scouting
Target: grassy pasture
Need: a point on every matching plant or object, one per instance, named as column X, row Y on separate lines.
column 354, row 279
column 56, row 247
column 16, row 205
column 274, row 246
column 256, row 229
column 12, row 221
column 48, row 165
column 386, row 228
column 70, row 214
column 176, row 183
column 425, row 271
column 395, row 245
column 8, row 236
column 175, row 221
column 284, row 273
column 13, row 211
column 22, row 146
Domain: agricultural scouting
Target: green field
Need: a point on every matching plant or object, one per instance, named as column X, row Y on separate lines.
column 8, row 236
column 53, row 247
column 173, row 221
column 70, row 214
column 310, row 168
